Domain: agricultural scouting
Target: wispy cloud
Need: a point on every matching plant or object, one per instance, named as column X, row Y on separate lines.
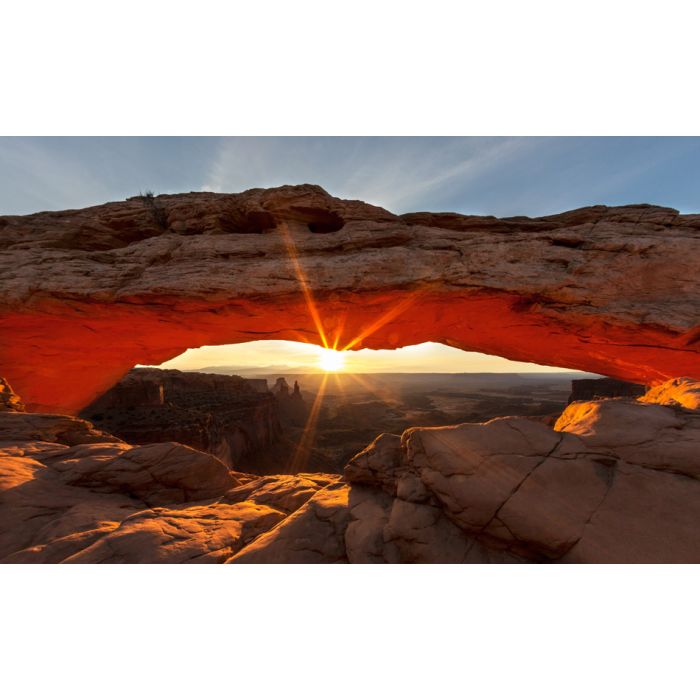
column 484, row 175
column 396, row 173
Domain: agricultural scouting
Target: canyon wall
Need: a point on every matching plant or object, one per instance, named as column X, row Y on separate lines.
column 87, row 294
column 588, row 389
column 227, row 416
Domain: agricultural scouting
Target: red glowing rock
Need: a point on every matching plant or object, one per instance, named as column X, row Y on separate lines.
column 87, row 294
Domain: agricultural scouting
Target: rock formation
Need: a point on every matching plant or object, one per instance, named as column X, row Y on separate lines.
column 293, row 408
column 684, row 392
column 224, row 415
column 70, row 493
column 87, row 294
column 9, row 401
column 604, row 388
column 281, row 388
column 616, row 480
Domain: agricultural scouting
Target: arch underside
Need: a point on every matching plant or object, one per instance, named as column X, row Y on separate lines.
column 86, row 295
column 60, row 359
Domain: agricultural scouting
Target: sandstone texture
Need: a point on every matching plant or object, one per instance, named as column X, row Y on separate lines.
column 85, row 295
column 615, row 481
column 72, row 493
column 683, row 392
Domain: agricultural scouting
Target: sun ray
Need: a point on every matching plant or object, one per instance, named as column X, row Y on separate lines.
column 339, row 332
column 386, row 396
column 309, row 432
column 339, row 384
column 385, row 318
column 301, row 278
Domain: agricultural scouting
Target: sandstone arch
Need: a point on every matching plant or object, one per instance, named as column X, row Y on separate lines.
column 87, row 294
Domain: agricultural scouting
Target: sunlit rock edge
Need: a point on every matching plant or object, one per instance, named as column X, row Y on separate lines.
column 615, row 480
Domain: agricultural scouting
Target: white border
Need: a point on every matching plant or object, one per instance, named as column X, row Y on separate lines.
column 350, row 632
column 370, row 67
column 506, row 67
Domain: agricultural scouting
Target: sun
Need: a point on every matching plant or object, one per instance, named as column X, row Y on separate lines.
column 330, row 360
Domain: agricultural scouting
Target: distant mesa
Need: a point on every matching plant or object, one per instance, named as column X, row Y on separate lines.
column 603, row 388
column 235, row 419
column 227, row 416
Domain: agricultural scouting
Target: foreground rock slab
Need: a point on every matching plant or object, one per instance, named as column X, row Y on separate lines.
column 73, row 494
column 614, row 481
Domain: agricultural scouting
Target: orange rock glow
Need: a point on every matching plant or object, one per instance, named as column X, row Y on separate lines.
column 86, row 295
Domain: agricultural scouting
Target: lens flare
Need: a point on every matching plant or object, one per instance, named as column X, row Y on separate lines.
column 330, row 360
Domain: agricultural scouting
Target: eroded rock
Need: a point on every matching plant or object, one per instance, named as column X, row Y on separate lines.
column 66, row 430
column 314, row 534
column 104, row 501
column 678, row 392
column 87, row 294
column 9, row 401
column 227, row 416
column 616, row 480
column 156, row 474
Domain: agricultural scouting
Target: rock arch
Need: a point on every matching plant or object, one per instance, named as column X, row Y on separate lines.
column 87, row 294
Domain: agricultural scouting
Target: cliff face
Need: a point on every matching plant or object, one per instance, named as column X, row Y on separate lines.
column 588, row 389
column 226, row 416
column 85, row 295
column 293, row 408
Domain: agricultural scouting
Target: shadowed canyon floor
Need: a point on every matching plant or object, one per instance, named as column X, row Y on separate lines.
column 264, row 425
column 615, row 480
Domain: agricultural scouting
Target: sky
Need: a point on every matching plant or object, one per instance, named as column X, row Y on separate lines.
column 503, row 176
column 473, row 175
column 279, row 356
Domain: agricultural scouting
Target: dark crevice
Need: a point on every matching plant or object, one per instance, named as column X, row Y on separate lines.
column 247, row 222
column 316, row 219
column 567, row 242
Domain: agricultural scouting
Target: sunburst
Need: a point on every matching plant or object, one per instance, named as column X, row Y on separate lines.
column 331, row 359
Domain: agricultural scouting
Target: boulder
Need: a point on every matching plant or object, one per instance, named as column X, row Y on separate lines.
column 616, row 480
column 107, row 501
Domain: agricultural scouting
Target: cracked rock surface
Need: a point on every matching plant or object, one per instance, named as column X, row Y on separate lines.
column 615, row 480
column 70, row 493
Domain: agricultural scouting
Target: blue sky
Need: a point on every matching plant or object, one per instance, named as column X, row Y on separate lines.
column 501, row 176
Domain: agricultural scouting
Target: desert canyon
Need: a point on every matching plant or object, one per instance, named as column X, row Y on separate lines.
column 87, row 295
